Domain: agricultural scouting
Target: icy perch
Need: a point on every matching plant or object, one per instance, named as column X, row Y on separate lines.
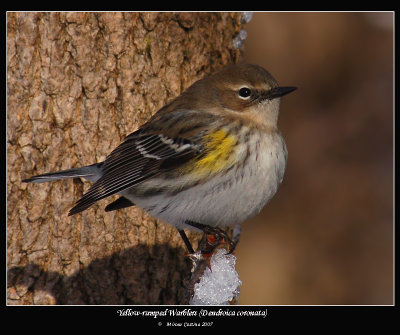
column 220, row 285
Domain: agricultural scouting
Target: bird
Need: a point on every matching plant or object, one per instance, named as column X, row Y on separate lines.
column 209, row 159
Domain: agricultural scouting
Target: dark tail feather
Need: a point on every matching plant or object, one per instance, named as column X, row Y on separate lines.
column 91, row 172
column 121, row 202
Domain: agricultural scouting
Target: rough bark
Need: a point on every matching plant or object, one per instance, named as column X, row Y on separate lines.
column 77, row 84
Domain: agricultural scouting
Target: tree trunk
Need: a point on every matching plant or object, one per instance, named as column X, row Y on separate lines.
column 78, row 83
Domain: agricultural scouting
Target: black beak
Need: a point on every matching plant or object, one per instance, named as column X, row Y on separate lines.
column 277, row 92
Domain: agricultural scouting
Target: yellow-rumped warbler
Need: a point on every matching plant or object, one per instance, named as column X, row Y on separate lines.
column 210, row 158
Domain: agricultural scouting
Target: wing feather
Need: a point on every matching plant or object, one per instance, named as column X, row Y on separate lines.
column 148, row 152
column 133, row 161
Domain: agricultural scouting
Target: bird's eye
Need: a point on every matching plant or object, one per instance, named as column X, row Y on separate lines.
column 244, row 93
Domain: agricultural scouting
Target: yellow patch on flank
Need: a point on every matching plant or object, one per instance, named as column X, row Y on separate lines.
column 218, row 156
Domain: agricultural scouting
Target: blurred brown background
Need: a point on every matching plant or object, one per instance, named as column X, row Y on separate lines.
column 327, row 236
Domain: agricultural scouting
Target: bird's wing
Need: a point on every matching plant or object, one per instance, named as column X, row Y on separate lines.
column 142, row 155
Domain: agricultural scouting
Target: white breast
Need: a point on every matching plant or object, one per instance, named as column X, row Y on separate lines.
column 228, row 199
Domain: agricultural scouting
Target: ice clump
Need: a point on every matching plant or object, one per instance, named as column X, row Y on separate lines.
column 219, row 285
